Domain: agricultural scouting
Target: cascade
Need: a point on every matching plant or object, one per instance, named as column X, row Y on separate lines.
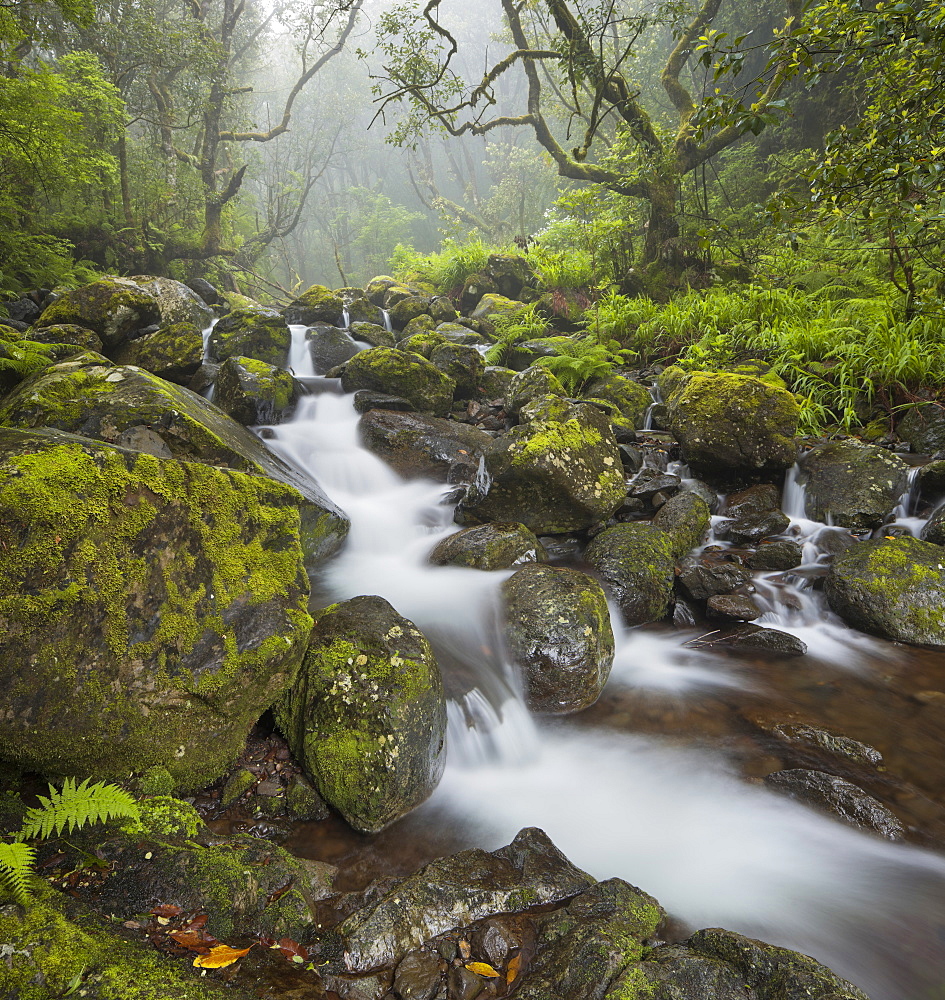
column 665, row 814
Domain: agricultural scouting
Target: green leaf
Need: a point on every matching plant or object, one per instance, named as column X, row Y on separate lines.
column 16, row 866
column 77, row 806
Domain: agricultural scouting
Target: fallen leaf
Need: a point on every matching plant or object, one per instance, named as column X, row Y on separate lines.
column 464, row 949
column 193, row 940
column 220, row 957
column 166, row 910
column 292, row 950
column 512, row 971
column 482, row 969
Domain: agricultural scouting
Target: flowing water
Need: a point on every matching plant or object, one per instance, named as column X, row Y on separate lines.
column 654, row 783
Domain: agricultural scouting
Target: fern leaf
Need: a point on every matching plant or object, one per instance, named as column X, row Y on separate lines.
column 76, row 806
column 16, row 865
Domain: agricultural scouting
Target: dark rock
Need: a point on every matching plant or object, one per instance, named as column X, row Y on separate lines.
column 932, row 480
column 649, row 481
column 317, row 304
column 558, row 632
column 400, row 373
column 776, row 554
column 894, row 588
column 733, row 607
column 365, row 399
column 253, row 392
column 205, row 290
column 810, row 737
column 923, row 426
column 329, row 346
column 854, row 485
column 561, row 549
column 685, row 518
column 489, row 547
column 839, row 798
column 462, row 364
column 173, row 352
column 683, row 614
column 712, row 573
column 454, row 892
column 252, row 333
column 367, row 716
column 635, row 563
column 419, row 445
column 418, row 976
column 755, row 639
column 753, row 514
column 68, row 333
column 934, row 529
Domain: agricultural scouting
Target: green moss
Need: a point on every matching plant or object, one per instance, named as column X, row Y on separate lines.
column 156, row 781
column 165, row 816
column 634, row 984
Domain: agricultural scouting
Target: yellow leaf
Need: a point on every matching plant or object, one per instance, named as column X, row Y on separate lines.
column 220, row 957
column 512, row 971
column 482, row 969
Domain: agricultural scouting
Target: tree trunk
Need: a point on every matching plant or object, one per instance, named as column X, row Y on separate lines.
column 661, row 227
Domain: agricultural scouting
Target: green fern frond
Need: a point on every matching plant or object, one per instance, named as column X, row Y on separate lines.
column 76, row 806
column 16, row 866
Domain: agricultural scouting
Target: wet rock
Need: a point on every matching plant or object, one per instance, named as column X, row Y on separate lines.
column 776, row 554
column 729, row 423
column 400, row 373
column 420, row 337
column 140, row 662
column 712, row 573
column 923, row 426
column 457, row 333
column 317, row 304
column 462, row 364
column 302, row 799
column 455, row 892
column 112, row 307
column 753, row 513
column 417, row 445
column 377, row 288
column 237, row 785
column 365, row 399
column 683, row 614
column 852, row 484
column 561, row 549
column 755, row 639
column 418, row 976
column 253, row 392
column 560, row 472
column 932, row 481
column 894, row 588
column 328, row 346
column 934, row 529
column 252, row 333
column 839, row 798
column 649, row 481
column 489, row 547
column 558, row 632
column 493, row 306
column 176, row 302
column 114, row 404
column 810, row 737
column 635, row 563
column 66, row 333
column 205, row 290
column 173, row 352
column 630, row 398
column 375, row 986
column 367, row 716
column 372, row 334
column 463, row 984
column 703, row 490
column 685, row 518
column 407, row 308
column 733, row 607
column 362, row 310
column 534, row 383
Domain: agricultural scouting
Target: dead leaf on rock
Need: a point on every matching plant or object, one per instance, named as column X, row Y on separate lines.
column 220, row 956
column 482, row 969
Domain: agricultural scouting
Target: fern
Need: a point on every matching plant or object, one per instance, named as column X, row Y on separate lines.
column 16, row 866
column 77, row 806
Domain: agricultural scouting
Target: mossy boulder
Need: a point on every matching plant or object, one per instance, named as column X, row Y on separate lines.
column 328, row 347
column 150, row 610
column 630, row 398
column 253, row 392
column 636, row 564
column 923, row 426
column 535, row 382
column 174, row 352
column 492, row 307
column 558, row 633
column 131, row 408
column 372, row 334
column 403, row 309
column 400, row 373
column 65, row 333
column 733, row 424
column 852, row 484
column 894, row 587
column 934, row 528
column 495, row 382
column 23, row 358
column 421, row 341
column 377, row 288
column 461, row 363
column 442, row 309
column 424, row 323
column 112, row 307
column 685, row 518
column 251, row 333
column 361, row 310
column 367, row 716
column 418, row 445
column 557, row 474
column 488, row 547
column 176, row 301
column 317, row 304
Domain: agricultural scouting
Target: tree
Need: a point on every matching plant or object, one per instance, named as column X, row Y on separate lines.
column 582, row 102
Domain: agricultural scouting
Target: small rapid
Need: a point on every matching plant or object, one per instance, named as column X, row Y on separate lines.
column 671, row 816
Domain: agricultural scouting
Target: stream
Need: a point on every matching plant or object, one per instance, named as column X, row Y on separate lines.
column 657, row 782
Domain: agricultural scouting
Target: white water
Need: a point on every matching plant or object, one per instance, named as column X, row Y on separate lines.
column 672, row 819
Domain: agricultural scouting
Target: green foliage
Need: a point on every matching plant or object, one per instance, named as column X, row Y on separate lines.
column 16, row 867
column 526, row 324
column 583, row 360
column 447, row 269
column 75, row 806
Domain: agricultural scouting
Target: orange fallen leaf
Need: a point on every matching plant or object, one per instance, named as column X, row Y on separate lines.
column 220, row 957
column 512, row 971
column 482, row 969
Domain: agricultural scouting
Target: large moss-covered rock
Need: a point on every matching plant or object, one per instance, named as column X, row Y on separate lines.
column 635, row 562
column 630, row 398
column 558, row 632
column 65, row 333
column 131, row 408
column 493, row 307
column 400, row 373
column 461, row 363
column 455, row 891
column 367, row 716
column 403, row 309
column 174, row 352
column 685, row 518
column 150, row 610
column 559, row 472
column 328, row 346
column 535, row 382
column 252, row 333
column 112, row 307
column 729, row 423
column 176, row 301
column 21, row 359
column 854, row 485
column 361, row 310
column 488, row 547
column 894, row 588
column 253, row 392
column 416, row 445
column 372, row 334
column 317, row 304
